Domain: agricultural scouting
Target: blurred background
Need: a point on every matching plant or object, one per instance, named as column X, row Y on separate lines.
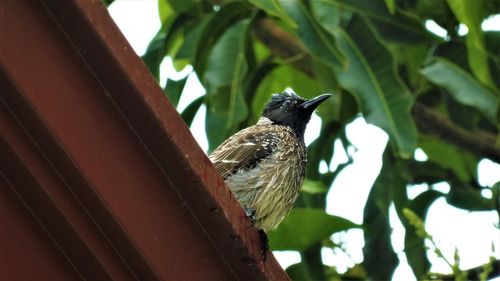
column 403, row 174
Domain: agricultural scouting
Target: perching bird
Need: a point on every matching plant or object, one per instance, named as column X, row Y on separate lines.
column 264, row 165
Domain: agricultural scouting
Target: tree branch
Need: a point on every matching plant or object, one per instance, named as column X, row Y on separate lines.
column 430, row 122
column 284, row 45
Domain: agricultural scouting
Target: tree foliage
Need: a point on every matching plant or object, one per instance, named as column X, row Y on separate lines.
column 437, row 94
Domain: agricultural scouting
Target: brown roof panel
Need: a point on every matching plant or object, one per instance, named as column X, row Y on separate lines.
column 101, row 165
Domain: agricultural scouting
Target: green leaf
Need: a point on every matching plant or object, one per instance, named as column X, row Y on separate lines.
column 415, row 249
column 313, row 262
column 436, row 10
column 224, row 79
column 191, row 41
column 255, row 77
column 397, row 27
column 173, row 90
column 462, row 86
column 191, row 110
column 317, row 42
column 183, row 6
column 328, row 15
column 463, row 115
column 304, row 227
column 342, row 107
column 492, row 44
column 380, row 261
column 107, row 2
column 164, row 10
column 156, row 51
column 411, row 58
column 472, row 13
column 297, row 272
column 467, row 197
column 314, row 187
column 425, row 172
column 448, row 156
column 214, row 121
column 217, row 25
column 227, row 62
column 391, row 6
column 163, row 40
column 370, row 76
column 274, row 8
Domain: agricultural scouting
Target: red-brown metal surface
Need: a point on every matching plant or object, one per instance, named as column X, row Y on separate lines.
column 101, row 178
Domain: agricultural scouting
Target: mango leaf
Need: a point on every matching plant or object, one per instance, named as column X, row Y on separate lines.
column 467, row 197
column 214, row 121
column 463, row 115
column 304, row 227
column 471, row 13
column 190, row 111
column 159, row 45
column 371, row 77
column 313, row 262
column 156, row 50
column 415, row 249
column 331, row 109
column 412, row 58
column 448, row 156
column 182, row 6
column 223, row 78
column 217, row 25
column 426, row 172
column 314, row 187
column 397, row 27
column 453, row 51
column 380, row 261
column 462, row 86
column 107, row 2
column 436, row 10
column 391, row 6
column 328, row 16
column 191, row 41
column 255, row 78
column 164, row 10
column 492, row 42
column 298, row 271
column 274, row 8
column 173, row 90
column 317, row 42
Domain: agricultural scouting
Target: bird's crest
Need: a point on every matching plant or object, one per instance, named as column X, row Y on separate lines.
column 285, row 95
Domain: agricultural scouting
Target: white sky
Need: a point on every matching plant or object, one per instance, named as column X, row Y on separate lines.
column 471, row 232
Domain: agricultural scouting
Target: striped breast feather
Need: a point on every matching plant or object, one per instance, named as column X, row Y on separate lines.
column 244, row 150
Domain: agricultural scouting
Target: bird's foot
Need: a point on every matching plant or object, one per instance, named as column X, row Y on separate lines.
column 250, row 213
column 264, row 243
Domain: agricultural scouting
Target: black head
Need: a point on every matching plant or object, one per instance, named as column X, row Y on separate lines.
column 292, row 110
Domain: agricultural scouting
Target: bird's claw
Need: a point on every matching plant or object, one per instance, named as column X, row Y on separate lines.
column 264, row 243
column 250, row 213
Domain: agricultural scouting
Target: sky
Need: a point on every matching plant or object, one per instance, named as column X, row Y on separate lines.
column 471, row 232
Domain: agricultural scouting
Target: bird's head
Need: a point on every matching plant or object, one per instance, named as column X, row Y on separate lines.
column 292, row 110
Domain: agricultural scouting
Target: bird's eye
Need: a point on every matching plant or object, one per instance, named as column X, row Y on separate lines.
column 287, row 103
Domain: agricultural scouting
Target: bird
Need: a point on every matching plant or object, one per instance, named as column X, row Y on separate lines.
column 264, row 165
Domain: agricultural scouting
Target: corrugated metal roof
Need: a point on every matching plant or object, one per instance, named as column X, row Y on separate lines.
column 100, row 177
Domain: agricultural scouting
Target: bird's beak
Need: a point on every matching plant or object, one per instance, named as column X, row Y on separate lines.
column 313, row 103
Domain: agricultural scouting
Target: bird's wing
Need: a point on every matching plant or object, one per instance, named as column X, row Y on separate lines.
column 243, row 150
